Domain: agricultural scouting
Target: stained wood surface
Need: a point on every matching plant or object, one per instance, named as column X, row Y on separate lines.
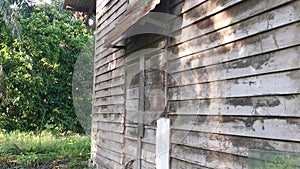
column 233, row 77
column 108, row 117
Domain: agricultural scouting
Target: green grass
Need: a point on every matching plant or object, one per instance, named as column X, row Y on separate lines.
column 29, row 150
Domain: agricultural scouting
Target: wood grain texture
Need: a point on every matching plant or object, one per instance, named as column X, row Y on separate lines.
column 193, row 70
column 264, row 42
column 259, row 127
column 181, row 164
column 108, row 127
column 233, row 84
column 230, row 144
column 209, row 159
column 269, row 84
column 268, row 106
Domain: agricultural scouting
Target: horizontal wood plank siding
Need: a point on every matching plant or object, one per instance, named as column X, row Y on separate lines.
column 109, row 113
column 234, row 81
column 232, row 84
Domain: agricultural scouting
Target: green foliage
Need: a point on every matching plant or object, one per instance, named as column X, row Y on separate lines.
column 37, row 71
column 83, row 86
column 9, row 9
column 26, row 150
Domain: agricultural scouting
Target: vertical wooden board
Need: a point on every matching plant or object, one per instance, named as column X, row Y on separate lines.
column 163, row 141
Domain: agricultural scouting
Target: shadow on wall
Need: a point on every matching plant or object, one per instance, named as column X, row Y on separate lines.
column 212, row 61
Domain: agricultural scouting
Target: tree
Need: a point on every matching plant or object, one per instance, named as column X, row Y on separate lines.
column 8, row 10
column 38, row 69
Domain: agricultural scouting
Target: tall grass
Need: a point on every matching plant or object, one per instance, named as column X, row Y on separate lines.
column 44, row 150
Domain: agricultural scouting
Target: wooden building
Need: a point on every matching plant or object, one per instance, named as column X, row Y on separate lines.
column 226, row 73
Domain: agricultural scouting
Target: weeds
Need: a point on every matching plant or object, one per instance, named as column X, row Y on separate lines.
column 29, row 150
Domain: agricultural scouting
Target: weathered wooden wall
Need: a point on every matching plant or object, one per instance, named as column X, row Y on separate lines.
column 233, row 86
column 108, row 114
column 236, row 67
